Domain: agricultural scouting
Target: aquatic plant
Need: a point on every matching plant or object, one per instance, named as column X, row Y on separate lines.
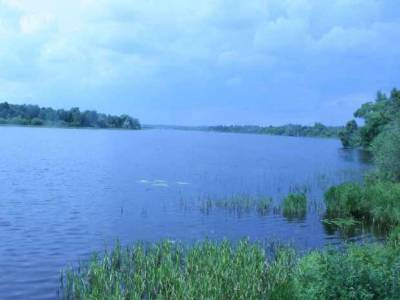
column 377, row 202
column 344, row 200
column 238, row 204
column 263, row 205
column 294, row 206
column 341, row 222
column 346, row 227
column 211, row 270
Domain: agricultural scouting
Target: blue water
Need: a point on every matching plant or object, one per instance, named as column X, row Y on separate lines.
column 68, row 192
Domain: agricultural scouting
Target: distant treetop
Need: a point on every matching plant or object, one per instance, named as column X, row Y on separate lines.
column 34, row 115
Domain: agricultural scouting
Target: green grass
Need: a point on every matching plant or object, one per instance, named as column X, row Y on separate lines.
column 294, row 206
column 377, row 202
column 210, row 270
column 344, row 200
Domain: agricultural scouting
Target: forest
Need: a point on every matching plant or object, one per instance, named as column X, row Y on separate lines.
column 317, row 130
column 33, row 115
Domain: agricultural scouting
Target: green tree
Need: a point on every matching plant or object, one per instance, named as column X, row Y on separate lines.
column 386, row 151
column 350, row 135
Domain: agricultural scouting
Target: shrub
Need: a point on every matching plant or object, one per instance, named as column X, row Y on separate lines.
column 36, row 122
column 386, row 151
column 383, row 200
column 360, row 272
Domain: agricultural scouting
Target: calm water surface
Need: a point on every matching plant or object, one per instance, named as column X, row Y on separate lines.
column 68, row 192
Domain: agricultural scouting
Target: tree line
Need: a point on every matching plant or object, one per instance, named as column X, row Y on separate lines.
column 379, row 134
column 317, row 130
column 45, row 116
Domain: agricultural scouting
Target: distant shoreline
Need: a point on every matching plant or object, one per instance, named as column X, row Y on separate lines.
column 316, row 131
column 36, row 116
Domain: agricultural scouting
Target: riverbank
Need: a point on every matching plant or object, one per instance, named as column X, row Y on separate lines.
column 210, row 270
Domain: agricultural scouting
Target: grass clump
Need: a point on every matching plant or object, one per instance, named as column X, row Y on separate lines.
column 344, row 200
column 378, row 202
column 210, row 270
column 294, row 206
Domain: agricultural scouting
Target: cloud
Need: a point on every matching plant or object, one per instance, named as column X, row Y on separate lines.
column 186, row 54
column 31, row 24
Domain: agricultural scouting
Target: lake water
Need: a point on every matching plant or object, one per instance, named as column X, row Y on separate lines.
column 68, row 192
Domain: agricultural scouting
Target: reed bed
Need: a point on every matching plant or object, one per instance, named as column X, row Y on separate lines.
column 211, row 270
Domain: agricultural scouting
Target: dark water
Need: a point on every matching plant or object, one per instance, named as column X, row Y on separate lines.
column 66, row 193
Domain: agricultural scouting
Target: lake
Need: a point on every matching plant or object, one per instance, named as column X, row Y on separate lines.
column 68, row 192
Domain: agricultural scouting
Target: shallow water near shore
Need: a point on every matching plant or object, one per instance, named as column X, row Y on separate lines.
column 69, row 192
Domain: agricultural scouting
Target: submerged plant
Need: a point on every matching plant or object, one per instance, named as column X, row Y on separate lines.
column 341, row 222
column 238, row 204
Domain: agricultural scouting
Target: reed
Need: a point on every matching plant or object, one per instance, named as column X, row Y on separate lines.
column 211, row 270
column 294, row 206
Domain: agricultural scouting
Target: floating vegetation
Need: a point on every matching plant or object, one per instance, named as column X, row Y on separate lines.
column 160, row 181
column 182, row 183
column 346, row 227
column 342, row 222
column 143, row 181
column 238, row 204
column 210, row 270
column 160, row 184
column 294, row 206
column 155, row 183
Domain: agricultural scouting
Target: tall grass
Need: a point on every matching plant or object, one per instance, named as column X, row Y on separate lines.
column 210, row 270
column 377, row 202
column 294, row 206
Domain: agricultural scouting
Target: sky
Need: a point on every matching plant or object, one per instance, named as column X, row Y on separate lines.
column 264, row 62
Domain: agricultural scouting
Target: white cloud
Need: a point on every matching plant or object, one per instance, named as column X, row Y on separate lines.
column 32, row 24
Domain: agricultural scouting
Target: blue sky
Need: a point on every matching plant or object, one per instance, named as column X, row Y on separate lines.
column 201, row 62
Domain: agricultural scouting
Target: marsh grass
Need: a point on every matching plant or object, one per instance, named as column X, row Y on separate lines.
column 377, row 203
column 238, row 205
column 294, row 206
column 211, row 270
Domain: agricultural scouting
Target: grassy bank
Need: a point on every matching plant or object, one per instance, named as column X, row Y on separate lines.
column 211, row 270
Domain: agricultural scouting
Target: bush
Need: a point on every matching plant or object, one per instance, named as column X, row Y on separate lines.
column 360, row 272
column 386, row 151
column 36, row 122
column 294, row 206
column 383, row 200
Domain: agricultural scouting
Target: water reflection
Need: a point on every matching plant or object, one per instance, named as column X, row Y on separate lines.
column 356, row 155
